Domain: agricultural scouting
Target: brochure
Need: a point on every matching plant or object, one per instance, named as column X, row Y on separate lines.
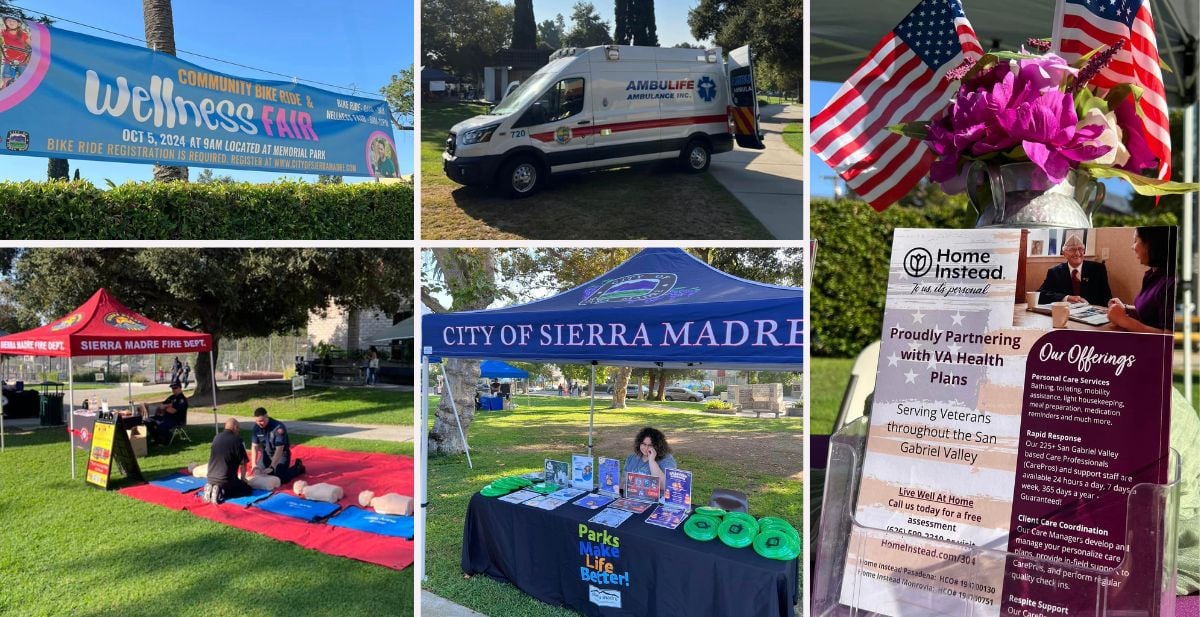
column 567, row 493
column 557, row 472
column 518, row 497
column 545, row 502
column 641, row 487
column 582, row 472
column 610, row 476
column 594, row 502
column 678, row 492
column 637, row 507
column 993, row 425
column 611, row 517
column 666, row 516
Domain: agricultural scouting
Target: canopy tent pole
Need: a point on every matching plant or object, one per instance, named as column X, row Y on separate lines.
column 592, row 415
column 129, row 380
column 423, row 456
column 71, row 410
column 2, row 359
column 1189, row 247
column 212, row 368
column 457, row 420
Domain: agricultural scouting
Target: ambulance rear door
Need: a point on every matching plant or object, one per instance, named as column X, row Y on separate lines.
column 743, row 99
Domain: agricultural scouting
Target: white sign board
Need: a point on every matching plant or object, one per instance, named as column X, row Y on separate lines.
column 297, row 382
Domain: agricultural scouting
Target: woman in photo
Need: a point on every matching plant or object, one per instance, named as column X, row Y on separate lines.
column 651, row 455
column 1153, row 310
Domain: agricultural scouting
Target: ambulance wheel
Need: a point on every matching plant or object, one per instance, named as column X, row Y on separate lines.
column 521, row 177
column 695, row 156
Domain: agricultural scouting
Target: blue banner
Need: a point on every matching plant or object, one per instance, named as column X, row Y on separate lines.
column 69, row 95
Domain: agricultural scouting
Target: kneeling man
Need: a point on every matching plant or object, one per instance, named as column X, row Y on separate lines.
column 227, row 466
column 271, row 438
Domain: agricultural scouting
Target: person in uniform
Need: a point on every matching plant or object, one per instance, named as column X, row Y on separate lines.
column 170, row 414
column 271, row 439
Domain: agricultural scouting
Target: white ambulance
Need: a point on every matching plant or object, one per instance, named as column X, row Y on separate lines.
column 609, row 106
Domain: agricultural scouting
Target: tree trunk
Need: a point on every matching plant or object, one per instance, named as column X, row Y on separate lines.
column 58, row 169
column 461, row 376
column 662, row 384
column 203, row 372
column 619, row 385
column 649, row 386
column 160, row 36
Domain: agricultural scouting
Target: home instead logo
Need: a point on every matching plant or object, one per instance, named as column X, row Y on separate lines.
column 977, row 265
column 604, row 597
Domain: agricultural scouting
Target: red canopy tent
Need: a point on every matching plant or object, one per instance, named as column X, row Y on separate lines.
column 102, row 326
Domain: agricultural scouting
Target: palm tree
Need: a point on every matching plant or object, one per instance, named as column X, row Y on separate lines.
column 160, row 36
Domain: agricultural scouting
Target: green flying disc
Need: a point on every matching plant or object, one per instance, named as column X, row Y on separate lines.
column 736, row 532
column 544, row 488
column 746, row 519
column 710, row 511
column 509, row 483
column 776, row 544
column 493, row 491
column 701, row 527
column 777, row 524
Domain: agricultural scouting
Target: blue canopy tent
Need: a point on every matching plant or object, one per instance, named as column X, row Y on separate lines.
column 661, row 308
column 501, row 370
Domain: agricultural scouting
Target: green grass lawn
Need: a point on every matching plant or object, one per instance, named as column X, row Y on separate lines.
column 72, row 549
column 793, row 136
column 827, row 382
column 607, row 204
column 358, row 405
column 761, row 457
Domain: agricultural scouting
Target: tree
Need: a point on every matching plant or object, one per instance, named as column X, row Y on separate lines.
column 160, row 36
column 461, row 35
column 399, row 95
column 686, row 45
column 587, row 28
column 635, row 23
column 328, row 179
column 223, row 292
column 468, row 276
column 551, row 31
column 773, row 28
column 206, row 176
column 58, row 169
column 524, row 26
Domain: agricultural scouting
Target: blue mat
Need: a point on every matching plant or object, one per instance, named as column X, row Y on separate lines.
column 295, row 507
column 255, row 495
column 179, row 483
column 359, row 519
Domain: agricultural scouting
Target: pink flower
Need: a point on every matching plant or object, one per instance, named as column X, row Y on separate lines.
column 1134, row 138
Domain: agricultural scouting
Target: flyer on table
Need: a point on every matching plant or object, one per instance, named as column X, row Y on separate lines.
column 1022, row 391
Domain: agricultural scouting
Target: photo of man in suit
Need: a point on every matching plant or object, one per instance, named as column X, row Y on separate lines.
column 1077, row 280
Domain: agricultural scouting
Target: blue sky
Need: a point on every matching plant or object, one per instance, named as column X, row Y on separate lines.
column 820, row 185
column 357, row 46
column 670, row 17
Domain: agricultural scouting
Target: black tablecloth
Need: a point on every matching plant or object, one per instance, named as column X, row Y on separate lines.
column 669, row 574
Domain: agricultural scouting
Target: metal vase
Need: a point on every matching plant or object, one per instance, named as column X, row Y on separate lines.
column 1020, row 195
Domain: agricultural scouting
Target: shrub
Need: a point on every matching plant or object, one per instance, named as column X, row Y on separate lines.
column 231, row 211
column 850, row 272
column 716, row 404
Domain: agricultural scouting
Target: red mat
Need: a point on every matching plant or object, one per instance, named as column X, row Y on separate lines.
column 353, row 471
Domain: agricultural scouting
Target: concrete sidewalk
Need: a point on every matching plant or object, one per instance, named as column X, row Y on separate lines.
column 437, row 606
column 770, row 182
column 199, row 416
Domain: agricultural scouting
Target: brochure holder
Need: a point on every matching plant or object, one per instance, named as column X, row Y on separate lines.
column 1151, row 522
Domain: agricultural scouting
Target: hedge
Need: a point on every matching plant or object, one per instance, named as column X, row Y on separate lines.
column 850, row 271
column 228, row 211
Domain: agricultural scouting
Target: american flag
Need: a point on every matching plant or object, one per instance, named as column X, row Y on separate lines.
column 902, row 80
column 1084, row 25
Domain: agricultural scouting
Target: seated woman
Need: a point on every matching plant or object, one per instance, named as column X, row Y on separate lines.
column 651, row 455
column 1153, row 310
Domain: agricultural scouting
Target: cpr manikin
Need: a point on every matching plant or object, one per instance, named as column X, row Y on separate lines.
column 391, row 503
column 329, row 493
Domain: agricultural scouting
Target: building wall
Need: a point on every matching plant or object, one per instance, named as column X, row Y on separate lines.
column 331, row 328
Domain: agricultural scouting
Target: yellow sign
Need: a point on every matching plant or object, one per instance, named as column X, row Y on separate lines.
column 99, row 464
